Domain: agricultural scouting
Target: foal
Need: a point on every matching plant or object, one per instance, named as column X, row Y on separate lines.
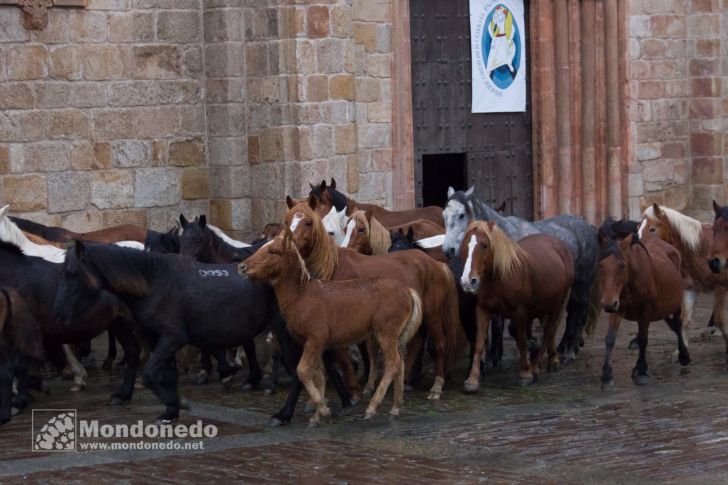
column 639, row 282
column 324, row 314
column 520, row 281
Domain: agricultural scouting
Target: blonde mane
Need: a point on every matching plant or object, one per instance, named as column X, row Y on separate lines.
column 288, row 242
column 508, row 257
column 379, row 239
column 688, row 230
column 324, row 257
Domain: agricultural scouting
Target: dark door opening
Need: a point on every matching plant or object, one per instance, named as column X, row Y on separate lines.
column 440, row 172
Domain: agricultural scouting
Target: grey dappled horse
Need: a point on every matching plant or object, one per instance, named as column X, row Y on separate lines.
column 578, row 235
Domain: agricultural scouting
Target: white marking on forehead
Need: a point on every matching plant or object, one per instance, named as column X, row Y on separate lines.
column 641, row 230
column 465, row 278
column 297, row 218
column 266, row 244
column 349, row 231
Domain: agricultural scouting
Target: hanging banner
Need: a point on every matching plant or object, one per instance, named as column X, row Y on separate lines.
column 498, row 38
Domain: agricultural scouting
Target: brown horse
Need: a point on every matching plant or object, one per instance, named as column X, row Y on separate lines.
column 640, row 281
column 323, row 314
column 327, row 197
column 694, row 241
column 421, row 229
column 412, row 269
column 43, row 242
column 109, row 235
column 520, row 281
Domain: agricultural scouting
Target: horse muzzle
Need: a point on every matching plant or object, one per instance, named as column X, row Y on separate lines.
column 450, row 253
column 716, row 265
column 470, row 286
column 611, row 307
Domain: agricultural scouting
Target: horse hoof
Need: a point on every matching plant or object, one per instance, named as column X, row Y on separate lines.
column 309, row 408
column 369, row 415
column 78, row 387
column 325, row 411
column 275, row 422
column 434, row 396
column 608, row 385
column 684, row 359
column 641, row 379
column 366, row 392
column 633, row 344
column 470, row 387
column 567, row 359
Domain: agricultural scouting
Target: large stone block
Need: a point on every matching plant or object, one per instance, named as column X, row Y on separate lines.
column 225, row 90
column 137, row 217
column 67, row 191
column 131, row 153
column 156, row 62
column 25, row 193
column 66, row 62
column 70, row 123
column 133, row 93
column 16, row 96
column 223, row 25
column 20, row 126
column 229, row 181
column 223, row 60
column 101, row 62
column 131, row 27
column 317, row 21
column 707, row 171
column 27, row 62
column 179, row 26
column 345, row 139
column 86, row 26
column 87, row 95
column 156, row 187
column 4, row 159
column 342, row 87
column 195, row 183
column 85, row 221
column 226, row 151
column 191, row 120
column 184, row 153
column 45, row 157
column 11, row 26
column 328, row 55
column 155, row 122
column 669, row 26
column 341, row 21
column 182, row 91
column 112, row 189
column 113, row 124
column 375, row 135
column 52, row 95
column 706, row 144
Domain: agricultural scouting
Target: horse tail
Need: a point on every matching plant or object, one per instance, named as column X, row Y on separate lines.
column 594, row 309
column 414, row 318
column 20, row 329
column 451, row 313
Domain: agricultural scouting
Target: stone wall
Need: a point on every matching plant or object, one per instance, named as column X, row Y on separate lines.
column 136, row 110
column 678, row 81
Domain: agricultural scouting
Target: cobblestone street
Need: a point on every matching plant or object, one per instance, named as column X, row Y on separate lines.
column 563, row 429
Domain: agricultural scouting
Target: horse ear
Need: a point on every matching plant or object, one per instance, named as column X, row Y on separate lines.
column 289, row 202
column 400, row 231
column 312, row 201
column 716, row 208
column 491, row 224
column 323, row 185
column 625, row 243
column 313, row 187
column 450, row 191
column 183, row 221
column 470, row 191
column 502, row 208
column 332, row 185
column 656, row 209
column 4, row 210
column 410, row 234
column 203, row 221
column 368, row 214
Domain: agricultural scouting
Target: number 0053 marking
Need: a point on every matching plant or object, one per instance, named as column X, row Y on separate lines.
column 213, row 273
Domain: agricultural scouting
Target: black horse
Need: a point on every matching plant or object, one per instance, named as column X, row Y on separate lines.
column 467, row 302
column 201, row 242
column 36, row 281
column 177, row 301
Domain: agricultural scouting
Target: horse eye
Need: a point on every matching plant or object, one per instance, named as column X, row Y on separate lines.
column 308, row 223
column 361, row 229
column 462, row 216
column 331, row 233
column 198, row 240
column 485, row 245
column 652, row 229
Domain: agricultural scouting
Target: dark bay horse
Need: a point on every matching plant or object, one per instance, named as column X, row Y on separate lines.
column 326, row 196
column 694, row 241
column 640, row 281
column 579, row 236
column 521, row 281
column 413, row 269
column 175, row 301
column 322, row 314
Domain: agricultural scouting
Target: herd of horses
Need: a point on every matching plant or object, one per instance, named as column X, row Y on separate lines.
column 338, row 276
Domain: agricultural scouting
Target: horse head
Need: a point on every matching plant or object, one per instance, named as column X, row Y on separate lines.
column 458, row 214
column 719, row 246
column 196, row 240
column 335, row 224
column 79, row 286
column 614, row 271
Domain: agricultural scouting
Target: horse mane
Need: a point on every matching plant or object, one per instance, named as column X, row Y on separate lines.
column 688, row 230
column 305, row 275
column 227, row 239
column 324, row 257
column 508, row 256
column 379, row 238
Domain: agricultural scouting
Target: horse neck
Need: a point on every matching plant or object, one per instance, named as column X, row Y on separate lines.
column 133, row 272
column 221, row 251
column 289, row 286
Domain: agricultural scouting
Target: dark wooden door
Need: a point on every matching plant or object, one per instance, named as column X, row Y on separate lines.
column 497, row 146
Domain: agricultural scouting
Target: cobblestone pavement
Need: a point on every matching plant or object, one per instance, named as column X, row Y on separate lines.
column 563, row 429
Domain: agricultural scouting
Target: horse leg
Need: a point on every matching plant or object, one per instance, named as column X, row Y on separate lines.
column 547, row 342
column 398, row 389
column 719, row 316
column 372, row 352
column 79, row 373
column 436, row 330
column 312, row 351
column 111, row 352
column 675, row 325
column 482, row 320
column 495, row 349
column 205, row 366
column 392, row 363
column 609, row 341
column 254, row 372
column 160, row 375
column 365, row 358
column 688, row 304
column 341, row 389
column 352, row 381
column 7, row 373
column 639, row 373
column 225, row 370
column 521, row 327
column 577, row 310
column 131, row 351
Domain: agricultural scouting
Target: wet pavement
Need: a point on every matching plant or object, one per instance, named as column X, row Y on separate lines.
column 563, row 429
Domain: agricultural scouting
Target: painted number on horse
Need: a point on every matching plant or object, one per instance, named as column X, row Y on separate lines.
column 213, row 273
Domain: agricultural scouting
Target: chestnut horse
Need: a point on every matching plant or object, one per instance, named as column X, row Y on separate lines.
column 694, row 241
column 123, row 232
column 412, row 269
column 327, row 197
column 521, row 281
column 640, row 281
column 323, row 314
